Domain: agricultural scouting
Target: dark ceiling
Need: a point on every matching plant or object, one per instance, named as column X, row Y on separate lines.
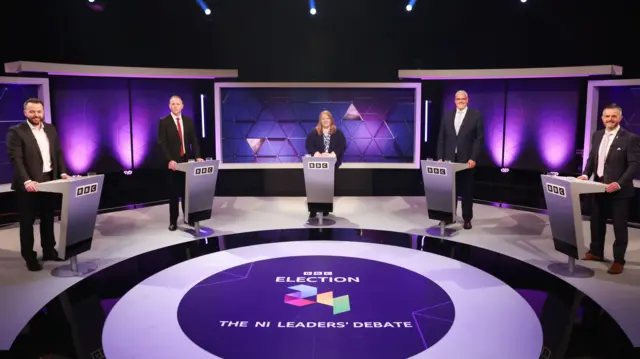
column 348, row 40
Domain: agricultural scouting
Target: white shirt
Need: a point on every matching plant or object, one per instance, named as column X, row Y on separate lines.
column 175, row 122
column 605, row 145
column 457, row 122
column 43, row 144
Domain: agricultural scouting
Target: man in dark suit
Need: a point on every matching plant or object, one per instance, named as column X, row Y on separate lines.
column 613, row 160
column 36, row 155
column 177, row 137
column 460, row 139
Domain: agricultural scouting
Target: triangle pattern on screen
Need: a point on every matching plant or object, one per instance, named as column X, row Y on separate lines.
column 352, row 114
column 255, row 144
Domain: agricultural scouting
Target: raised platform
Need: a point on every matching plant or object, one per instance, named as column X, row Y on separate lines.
column 506, row 252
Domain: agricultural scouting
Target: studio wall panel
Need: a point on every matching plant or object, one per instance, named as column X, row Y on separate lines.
column 541, row 121
column 92, row 118
column 12, row 98
column 149, row 103
column 487, row 96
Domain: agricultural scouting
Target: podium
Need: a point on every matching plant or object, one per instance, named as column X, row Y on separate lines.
column 319, row 182
column 562, row 195
column 200, row 188
column 439, row 180
column 80, row 201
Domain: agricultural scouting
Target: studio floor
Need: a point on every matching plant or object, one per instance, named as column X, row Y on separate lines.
column 490, row 291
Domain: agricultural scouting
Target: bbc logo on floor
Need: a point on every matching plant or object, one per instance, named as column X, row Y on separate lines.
column 86, row 189
column 441, row 171
column 557, row 190
column 318, row 165
column 204, row 170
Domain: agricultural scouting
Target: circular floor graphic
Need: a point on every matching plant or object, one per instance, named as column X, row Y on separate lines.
column 316, row 306
column 269, row 301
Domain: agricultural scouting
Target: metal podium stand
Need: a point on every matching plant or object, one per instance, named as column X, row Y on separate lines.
column 439, row 180
column 319, row 182
column 80, row 201
column 200, row 188
column 562, row 195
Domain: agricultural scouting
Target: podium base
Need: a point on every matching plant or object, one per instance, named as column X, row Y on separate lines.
column 570, row 269
column 441, row 231
column 320, row 221
column 74, row 269
column 200, row 232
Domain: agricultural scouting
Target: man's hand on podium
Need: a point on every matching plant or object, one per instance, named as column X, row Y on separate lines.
column 64, row 176
column 172, row 165
column 199, row 160
column 471, row 163
column 317, row 154
column 31, row 186
column 613, row 187
column 583, row 177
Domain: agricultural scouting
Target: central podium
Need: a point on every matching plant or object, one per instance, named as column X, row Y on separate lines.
column 319, row 182
column 80, row 203
column 200, row 188
column 439, row 179
column 562, row 195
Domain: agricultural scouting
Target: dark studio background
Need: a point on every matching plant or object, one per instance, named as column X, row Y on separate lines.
column 347, row 41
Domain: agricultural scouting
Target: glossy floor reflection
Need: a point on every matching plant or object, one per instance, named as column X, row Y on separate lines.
column 71, row 325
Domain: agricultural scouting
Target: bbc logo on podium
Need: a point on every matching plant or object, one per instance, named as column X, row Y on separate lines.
column 204, row 170
column 86, row 189
column 318, row 165
column 441, row 171
column 557, row 190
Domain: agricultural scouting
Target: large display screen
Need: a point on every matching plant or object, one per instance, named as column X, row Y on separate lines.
column 265, row 125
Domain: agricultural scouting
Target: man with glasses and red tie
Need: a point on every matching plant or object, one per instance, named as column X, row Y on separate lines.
column 177, row 137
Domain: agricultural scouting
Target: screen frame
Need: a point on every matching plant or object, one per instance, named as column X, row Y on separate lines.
column 416, row 86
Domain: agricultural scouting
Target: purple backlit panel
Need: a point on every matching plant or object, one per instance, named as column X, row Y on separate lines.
column 271, row 124
column 487, row 96
column 541, row 124
column 12, row 99
column 149, row 103
column 627, row 97
column 92, row 118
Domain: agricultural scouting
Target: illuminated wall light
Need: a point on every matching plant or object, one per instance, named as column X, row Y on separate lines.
column 312, row 7
column 504, row 170
column 410, row 5
column 426, row 120
column 202, row 113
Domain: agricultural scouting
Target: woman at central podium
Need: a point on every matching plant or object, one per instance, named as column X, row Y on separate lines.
column 326, row 140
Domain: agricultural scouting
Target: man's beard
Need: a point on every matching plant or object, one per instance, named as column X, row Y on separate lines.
column 33, row 123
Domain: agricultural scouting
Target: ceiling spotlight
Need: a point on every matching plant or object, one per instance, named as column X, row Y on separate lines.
column 312, row 11
column 207, row 11
column 409, row 8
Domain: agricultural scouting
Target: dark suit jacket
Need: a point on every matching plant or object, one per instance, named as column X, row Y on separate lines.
column 469, row 140
column 621, row 164
column 337, row 144
column 169, row 139
column 25, row 154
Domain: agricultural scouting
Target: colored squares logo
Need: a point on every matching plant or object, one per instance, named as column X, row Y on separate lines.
column 303, row 296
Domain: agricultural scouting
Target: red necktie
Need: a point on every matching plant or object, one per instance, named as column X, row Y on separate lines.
column 180, row 135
